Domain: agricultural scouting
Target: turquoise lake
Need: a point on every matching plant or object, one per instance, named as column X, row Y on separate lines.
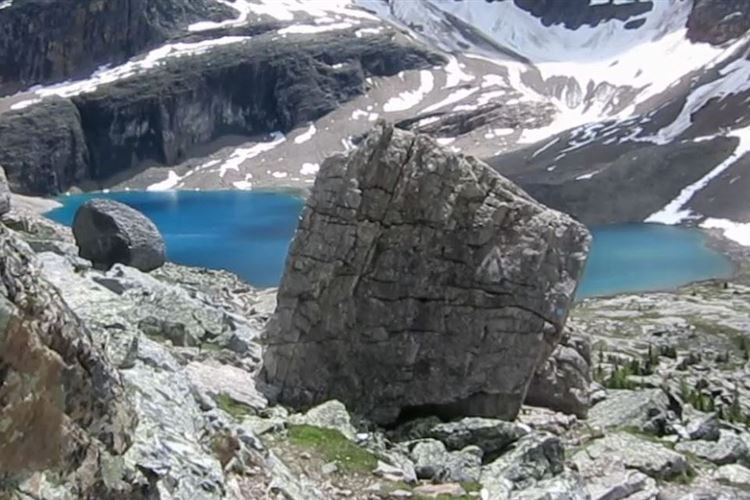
column 249, row 233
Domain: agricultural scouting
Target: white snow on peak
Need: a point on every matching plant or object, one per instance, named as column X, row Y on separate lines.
column 735, row 231
column 587, row 176
column 106, row 74
column 591, row 73
column 307, row 29
column 734, row 78
column 409, row 99
column 675, row 212
column 244, row 185
column 455, row 74
column 306, row 135
column 242, row 154
column 286, row 10
column 458, row 95
column 5, row 4
column 243, row 8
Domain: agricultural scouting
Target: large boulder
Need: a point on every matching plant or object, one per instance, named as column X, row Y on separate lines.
column 420, row 280
column 108, row 232
column 62, row 404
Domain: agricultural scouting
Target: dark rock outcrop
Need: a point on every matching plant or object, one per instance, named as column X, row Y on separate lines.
column 4, row 193
column 562, row 382
column 36, row 47
column 250, row 88
column 718, row 21
column 420, row 281
column 62, row 405
column 454, row 124
column 43, row 148
column 108, row 232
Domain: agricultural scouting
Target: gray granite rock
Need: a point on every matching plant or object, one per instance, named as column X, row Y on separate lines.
column 433, row 461
column 733, row 475
column 728, row 449
column 563, row 382
column 108, row 232
column 63, row 406
column 490, row 435
column 645, row 410
column 419, row 278
column 533, row 458
column 619, row 484
column 703, row 426
column 631, row 452
column 329, row 415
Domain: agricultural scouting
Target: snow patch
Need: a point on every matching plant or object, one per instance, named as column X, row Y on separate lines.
column 736, row 231
column 106, row 75
column 455, row 74
column 305, row 136
column 243, row 8
column 240, row 155
column 309, row 169
column 458, row 95
column 409, row 99
column 306, row 29
column 674, row 213
column 587, row 176
column 167, row 184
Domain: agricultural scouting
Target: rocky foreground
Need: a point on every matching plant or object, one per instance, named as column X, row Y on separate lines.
column 117, row 383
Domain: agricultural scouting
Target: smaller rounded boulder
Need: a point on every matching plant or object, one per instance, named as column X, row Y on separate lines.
column 108, row 232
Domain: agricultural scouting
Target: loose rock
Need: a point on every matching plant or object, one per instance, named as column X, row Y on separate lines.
column 108, row 232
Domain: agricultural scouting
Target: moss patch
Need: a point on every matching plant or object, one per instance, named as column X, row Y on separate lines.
column 333, row 447
column 232, row 407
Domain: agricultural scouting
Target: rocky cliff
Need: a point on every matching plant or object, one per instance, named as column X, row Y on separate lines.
column 63, row 408
column 37, row 47
column 256, row 87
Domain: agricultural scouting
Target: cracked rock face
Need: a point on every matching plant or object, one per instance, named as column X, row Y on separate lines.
column 62, row 404
column 420, row 280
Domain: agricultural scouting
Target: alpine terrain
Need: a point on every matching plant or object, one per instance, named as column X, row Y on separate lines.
column 427, row 337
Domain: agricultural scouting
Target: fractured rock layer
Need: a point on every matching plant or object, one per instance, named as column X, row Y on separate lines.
column 420, row 280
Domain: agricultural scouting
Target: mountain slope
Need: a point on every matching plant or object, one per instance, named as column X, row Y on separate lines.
column 614, row 111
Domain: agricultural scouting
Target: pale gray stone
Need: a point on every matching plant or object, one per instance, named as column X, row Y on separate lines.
column 632, row 452
column 533, row 458
column 733, row 475
column 329, row 415
column 420, row 278
column 563, row 382
column 727, row 450
column 645, row 410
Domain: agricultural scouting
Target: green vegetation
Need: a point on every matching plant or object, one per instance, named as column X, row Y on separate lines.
column 333, row 447
column 684, row 478
column 232, row 407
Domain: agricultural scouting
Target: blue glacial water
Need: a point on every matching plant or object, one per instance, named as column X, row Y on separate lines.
column 249, row 233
